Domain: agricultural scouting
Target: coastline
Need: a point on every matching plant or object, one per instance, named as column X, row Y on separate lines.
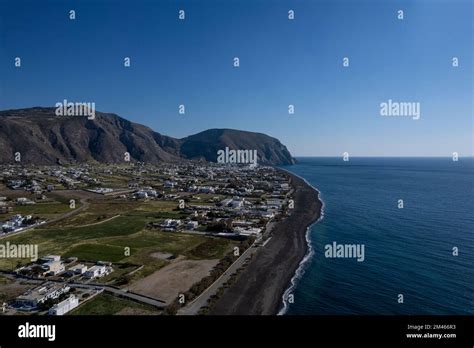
column 260, row 287
column 307, row 258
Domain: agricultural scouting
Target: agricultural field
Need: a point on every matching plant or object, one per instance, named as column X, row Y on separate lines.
column 106, row 304
column 115, row 230
column 51, row 208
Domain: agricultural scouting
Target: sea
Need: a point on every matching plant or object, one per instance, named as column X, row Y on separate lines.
column 418, row 255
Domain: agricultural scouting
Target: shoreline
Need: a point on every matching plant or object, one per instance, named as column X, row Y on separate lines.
column 262, row 285
column 309, row 254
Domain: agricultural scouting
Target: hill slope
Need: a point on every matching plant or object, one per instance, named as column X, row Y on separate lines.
column 44, row 138
column 206, row 144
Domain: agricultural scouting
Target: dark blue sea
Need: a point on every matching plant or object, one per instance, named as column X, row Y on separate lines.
column 408, row 251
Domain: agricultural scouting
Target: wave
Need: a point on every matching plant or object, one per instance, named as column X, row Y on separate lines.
column 307, row 258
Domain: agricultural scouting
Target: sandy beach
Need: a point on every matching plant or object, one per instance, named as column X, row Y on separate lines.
column 259, row 288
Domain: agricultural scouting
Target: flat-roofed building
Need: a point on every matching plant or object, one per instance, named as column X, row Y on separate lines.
column 96, row 271
column 53, row 267
column 78, row 269
column 65, row 306
column 40, row 294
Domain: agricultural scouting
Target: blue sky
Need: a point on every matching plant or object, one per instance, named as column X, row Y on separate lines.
column 282, row 62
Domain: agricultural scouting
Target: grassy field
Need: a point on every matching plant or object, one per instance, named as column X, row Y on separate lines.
column 104, row 209
column 53, row 207
column 4, row 280
column 109, row 240
column 97, row 251
column 42, row 209
column 105, row 304
column 98, row 210
column 119, row 271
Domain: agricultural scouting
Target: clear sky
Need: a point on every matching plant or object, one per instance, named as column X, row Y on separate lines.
column 282, row 62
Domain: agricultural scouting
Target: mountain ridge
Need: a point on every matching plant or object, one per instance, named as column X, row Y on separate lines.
column 43, row 138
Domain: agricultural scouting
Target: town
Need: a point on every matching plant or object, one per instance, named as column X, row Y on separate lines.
column 132, row 236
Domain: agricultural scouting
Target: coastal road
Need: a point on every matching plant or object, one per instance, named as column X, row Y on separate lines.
column 193, row 307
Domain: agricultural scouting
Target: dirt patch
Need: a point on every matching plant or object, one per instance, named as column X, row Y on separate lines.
column 161, row 256
column 135, row 311
column 10, row 289
column 173, row 279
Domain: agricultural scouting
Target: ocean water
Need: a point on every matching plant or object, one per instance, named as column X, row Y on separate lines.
column 408, row 251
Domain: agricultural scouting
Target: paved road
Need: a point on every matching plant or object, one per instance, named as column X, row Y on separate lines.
column 134, row 296
column 193, row 307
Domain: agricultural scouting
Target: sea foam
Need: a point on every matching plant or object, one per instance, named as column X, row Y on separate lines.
column 307, row 258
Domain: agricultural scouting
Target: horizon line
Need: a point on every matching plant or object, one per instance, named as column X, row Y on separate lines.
column 379, row 156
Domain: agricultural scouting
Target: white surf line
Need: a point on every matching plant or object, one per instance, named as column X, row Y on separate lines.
column 309, row 254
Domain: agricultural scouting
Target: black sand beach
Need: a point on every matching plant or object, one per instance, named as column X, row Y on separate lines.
column 260, row 286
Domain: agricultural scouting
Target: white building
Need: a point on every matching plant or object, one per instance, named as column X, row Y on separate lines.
column 168, row 184
column 78, row 269
column 53, row 267
column 40, row 294
column 64, row 306
column 49, row 258
column 255, row 231
column 192, row 225
column 96, row 271
column 24, row 201
column 274, row 203
column 141, row 195
column 152, row 193
column 234, row 202
column 207, row 189
column 171, row 223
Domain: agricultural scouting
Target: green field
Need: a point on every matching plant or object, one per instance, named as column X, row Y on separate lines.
column 94, row 252
column 40, row 208
column 48, row 209
column 109, row 240
column 4, row 280
column 105, row 304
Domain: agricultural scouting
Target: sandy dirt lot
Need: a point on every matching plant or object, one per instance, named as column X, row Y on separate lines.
column 161, row 256
column 173, row 279
column 10, row 289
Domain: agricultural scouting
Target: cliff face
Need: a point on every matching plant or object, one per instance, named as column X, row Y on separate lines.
column 206, row 144
column 44, row 138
